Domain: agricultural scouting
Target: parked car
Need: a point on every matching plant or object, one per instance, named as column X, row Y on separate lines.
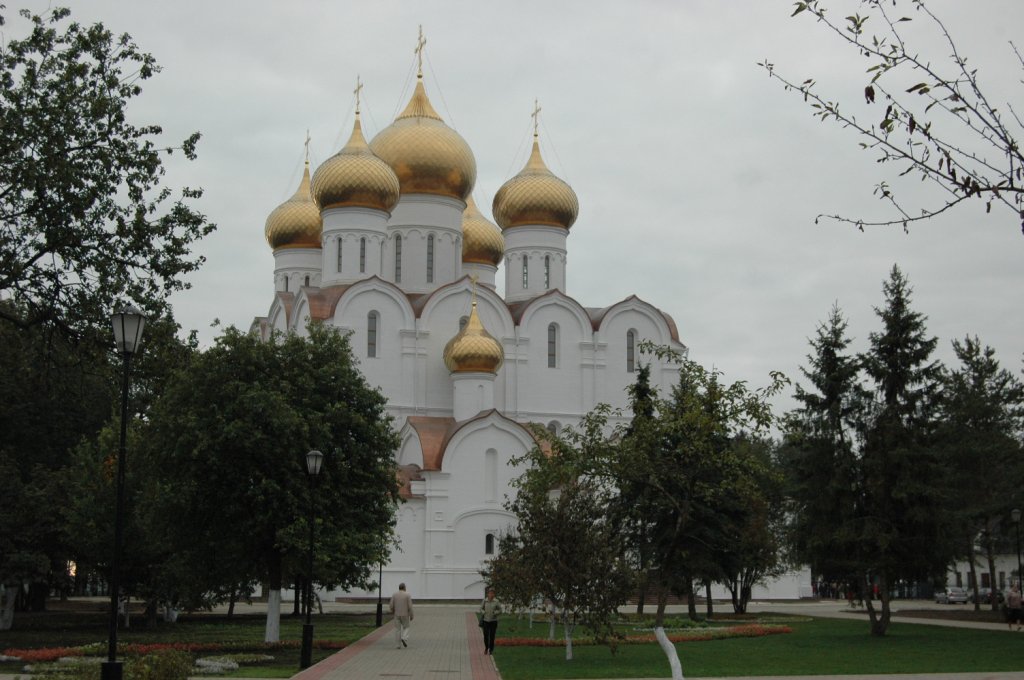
column 984, row 596
column 951, row 595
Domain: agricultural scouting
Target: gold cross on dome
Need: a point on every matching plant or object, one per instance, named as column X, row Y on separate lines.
column 359, row 88
column 535, row 116
column 473, row 279
column 421, row 42
column 308, row 138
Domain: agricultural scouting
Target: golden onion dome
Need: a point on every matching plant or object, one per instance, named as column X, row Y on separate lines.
column 295, row 223
column 428, row 156
column 482, row 241
column 535, row 196
column 473, row 349
column 355, row 177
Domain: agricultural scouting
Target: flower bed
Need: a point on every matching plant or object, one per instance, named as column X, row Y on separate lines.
column 700, row 635
column 47, row 654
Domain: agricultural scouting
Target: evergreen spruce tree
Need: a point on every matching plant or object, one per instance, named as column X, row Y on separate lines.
column 903, row 533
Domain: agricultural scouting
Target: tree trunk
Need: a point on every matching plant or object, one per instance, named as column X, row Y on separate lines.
column 551, row 621
column 300, row 588
column 642, row 595
column 273, row 630
column 568, row 628
column 691, row 601
column 151, row 611
column 972, row 583
column 37, row 594
column 8, row 594
column 659, row 632
column 709, row 605
column 990, row 554
column 232, row 598
column 879, row 622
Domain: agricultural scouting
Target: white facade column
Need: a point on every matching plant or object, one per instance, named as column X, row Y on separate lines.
column 474, row 392
column 296, row 267
column 361, row 233
column 430, row 228
column 542, row 249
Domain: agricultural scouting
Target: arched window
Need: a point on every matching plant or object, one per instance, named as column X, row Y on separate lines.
column 398, row 258
column 526, row 272
column 489, row 544
column 463, row 321
column 630, row 351
column 553, row 427
column 286, row 284
column 371, row 334
column 547, row 272
column 362, row 255
column 339, row 255
column 430, row 259
column 305, row 282
column 552, row 346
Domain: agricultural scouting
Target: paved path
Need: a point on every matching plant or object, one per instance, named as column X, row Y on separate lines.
column 444, row 644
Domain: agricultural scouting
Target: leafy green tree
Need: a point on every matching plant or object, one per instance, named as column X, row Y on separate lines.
column 85, row 218
column 982, row 420
column 233, row 429
column 940, row 122
column 53, row 392
column 563, row 547
column 694, row 482
column 819, row 456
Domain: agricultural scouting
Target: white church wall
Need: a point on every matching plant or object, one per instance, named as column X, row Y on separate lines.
column 557, row 390
column 647, row 325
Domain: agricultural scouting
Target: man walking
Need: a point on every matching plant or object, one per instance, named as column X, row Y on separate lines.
column 401, row 606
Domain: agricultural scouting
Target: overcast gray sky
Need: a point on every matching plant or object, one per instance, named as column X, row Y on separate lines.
column 698, row 177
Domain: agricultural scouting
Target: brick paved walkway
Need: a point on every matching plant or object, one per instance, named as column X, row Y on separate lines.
column 444, row 644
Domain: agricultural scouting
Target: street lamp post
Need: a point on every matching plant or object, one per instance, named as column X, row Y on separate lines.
column 128, row 324
column 380, row 599
column 1015, row 516
column 314, row 460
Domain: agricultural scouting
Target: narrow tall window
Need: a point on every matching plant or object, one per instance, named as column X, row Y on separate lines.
column 547, row 272
column 286, row 284
column 489, row 544
column 430, row 259
column 463, row 321
column 398, row 258
column 552, row 346
column 305, row 282
column 526, row 272
column 630, row 352
column 371, row 335
column 339, row 255
column 362, row 255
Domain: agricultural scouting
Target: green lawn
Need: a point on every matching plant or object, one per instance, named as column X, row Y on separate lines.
column 70, row 629
column 820, row 646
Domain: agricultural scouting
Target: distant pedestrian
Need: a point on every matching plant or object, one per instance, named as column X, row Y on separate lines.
column 490, row 608
column 401, row 606
column 1013, row 604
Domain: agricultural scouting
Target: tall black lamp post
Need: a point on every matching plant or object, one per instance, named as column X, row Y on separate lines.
column 128, row 325
column 314, row 460
column 380, row 598
column 1015, row 516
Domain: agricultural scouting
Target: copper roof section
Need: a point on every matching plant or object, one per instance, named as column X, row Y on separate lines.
column 432, row 432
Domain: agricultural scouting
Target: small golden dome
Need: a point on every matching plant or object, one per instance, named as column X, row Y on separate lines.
column 473, row 349
column 535, row 196
column 295, row 223
column 482, row 241
column 427, row 156
column 355, row 177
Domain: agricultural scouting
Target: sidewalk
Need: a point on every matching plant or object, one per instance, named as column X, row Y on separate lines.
column 444, row 642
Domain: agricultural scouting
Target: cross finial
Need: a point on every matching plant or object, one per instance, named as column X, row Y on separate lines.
column 535, row 116
column 473, row 279
column 308, row 138
column 421, row 42
column 359, row 88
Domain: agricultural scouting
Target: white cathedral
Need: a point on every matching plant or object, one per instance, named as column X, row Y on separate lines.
column 385, row 243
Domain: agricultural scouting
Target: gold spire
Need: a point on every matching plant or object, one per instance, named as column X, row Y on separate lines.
column 473, row 349
column 296, row 222
column 421, row 42
column 535, row 196
column 355, row 177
